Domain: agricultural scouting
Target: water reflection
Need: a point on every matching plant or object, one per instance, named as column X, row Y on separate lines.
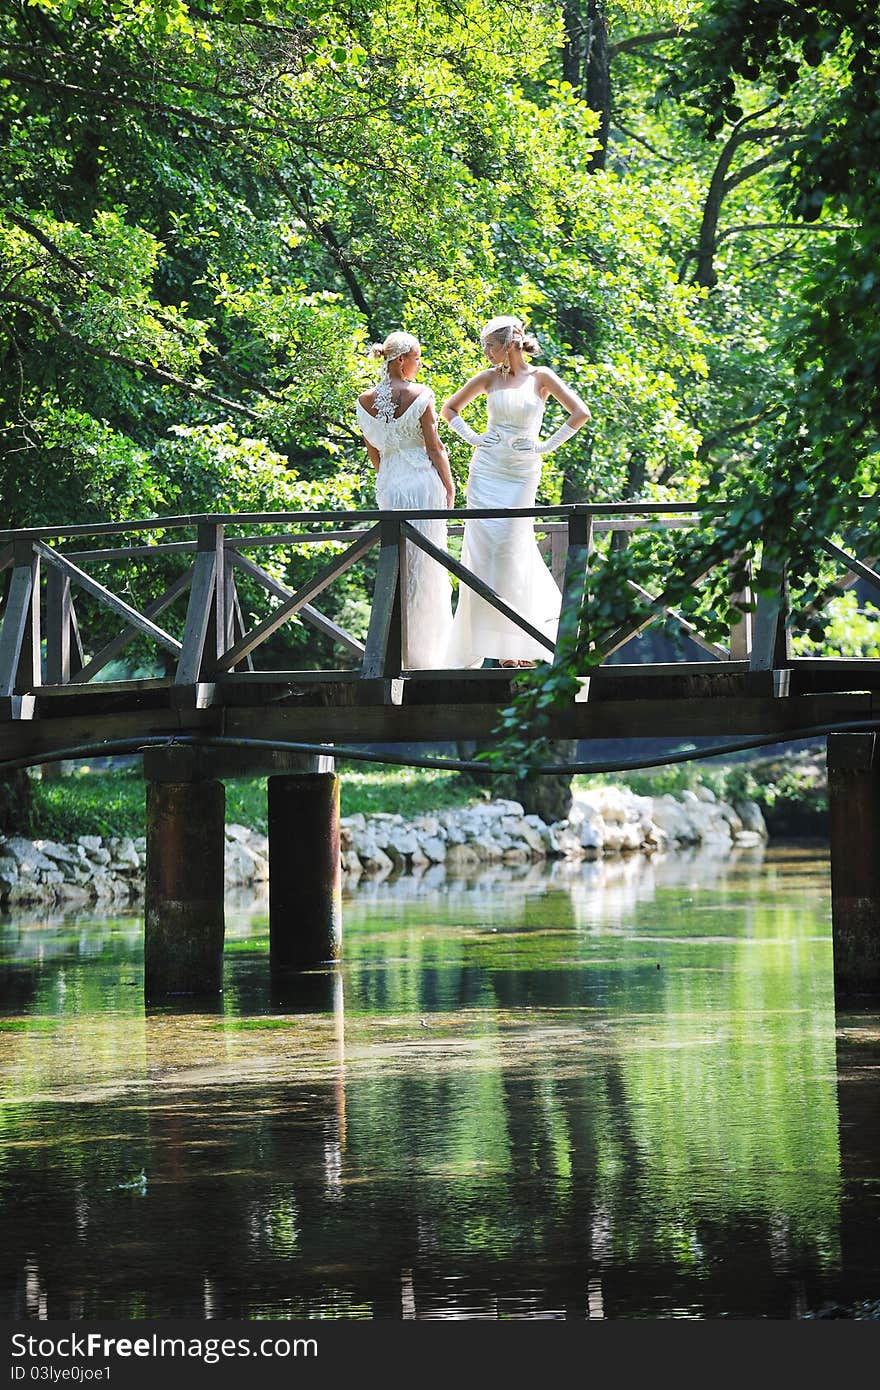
column 607, row 1090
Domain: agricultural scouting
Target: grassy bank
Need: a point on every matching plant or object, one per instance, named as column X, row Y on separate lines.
column 790, row 791
column 112, row 803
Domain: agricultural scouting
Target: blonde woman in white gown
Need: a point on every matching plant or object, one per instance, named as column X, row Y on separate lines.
column 504, row 473
column 399, row 423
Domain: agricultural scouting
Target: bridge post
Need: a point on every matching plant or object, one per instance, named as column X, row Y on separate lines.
column 183, row 911
column 305, row 882
column 854, row 806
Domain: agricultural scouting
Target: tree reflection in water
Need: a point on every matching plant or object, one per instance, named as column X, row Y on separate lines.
column 602, row 1090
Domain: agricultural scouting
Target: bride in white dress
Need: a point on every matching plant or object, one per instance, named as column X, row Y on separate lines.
column 399, row 424
column 504, row 473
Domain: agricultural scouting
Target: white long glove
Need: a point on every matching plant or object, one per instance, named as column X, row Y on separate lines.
column 458, row 426
column 553, row 441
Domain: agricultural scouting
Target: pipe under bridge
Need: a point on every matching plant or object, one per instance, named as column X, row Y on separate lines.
column 201, row 602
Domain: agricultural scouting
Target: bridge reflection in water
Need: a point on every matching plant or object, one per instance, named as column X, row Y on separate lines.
column 501, row 1108
column 241, row 720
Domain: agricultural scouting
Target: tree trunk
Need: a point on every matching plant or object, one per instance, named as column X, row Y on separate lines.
column 586, row 64
column 548, row 795
column 545, row 795
column 16, row 803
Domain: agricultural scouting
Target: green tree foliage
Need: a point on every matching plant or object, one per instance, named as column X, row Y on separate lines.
column 207, row 210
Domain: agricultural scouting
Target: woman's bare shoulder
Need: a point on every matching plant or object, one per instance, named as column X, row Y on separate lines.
column 480, row 381
column 545, row 376
column 367, row 398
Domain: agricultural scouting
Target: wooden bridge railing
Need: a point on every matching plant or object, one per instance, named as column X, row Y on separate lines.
column 44, row 648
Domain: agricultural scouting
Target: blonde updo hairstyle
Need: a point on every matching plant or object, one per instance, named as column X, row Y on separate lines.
column 395, row 345
column 506, row 331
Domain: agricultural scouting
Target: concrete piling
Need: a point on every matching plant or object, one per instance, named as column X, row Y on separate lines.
column 305, row 888
column 183, row 912
column 854, row 810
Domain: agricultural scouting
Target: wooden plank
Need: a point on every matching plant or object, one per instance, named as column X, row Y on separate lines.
column 30, row 665
column 215, row 640
column 837, row 587
column 356, row 723
column 629, row 719
column 121, row 554
column 308, row 613
column 720, row 653
column 117, row 644
column 741, row 632
column 57, row 627
column 559, row 543
column 636, row 669
column 624, row 633
column 235, row 624
column 630, row 524
column 380, row 657
column 857, row 567
column 868, row 664
column 467, row 577
column 194, row 519
column 771, row 640
column 98, row 689
column 402, row 602
column 579, row 545
column 15, row 620
column 108, row 599
column 198, row 615
column 288, row 609
column 291, row 678
column 76, row 646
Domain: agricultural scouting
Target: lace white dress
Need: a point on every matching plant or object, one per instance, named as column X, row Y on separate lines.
column 505, row 471
column 408, row 481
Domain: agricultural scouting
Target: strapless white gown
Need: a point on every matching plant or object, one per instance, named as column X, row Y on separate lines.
column 408, row 481
column 505, row 471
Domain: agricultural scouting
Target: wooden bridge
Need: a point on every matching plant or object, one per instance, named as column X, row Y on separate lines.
column 203, row 599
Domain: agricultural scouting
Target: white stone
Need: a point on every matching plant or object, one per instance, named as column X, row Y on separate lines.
column 428, row 825
column 591, row 836
column 461, row 858
column 240, row 863
column 631, row 834
column 31, row 863
column 375, row 860
column 401, row 842
column 60, row 853
column 8, row 872
column 752, row 817
column 126, row 855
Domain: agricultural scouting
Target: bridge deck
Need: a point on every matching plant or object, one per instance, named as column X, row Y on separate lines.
column 69, row 612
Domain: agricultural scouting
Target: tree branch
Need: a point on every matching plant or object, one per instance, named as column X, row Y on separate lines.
column 132, row 363
column 640, row 139
column 81, row 272
column 784, row 227
column 324, row 233
column 640, row 40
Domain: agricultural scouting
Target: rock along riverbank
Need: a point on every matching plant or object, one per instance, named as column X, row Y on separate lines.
column 606, row 821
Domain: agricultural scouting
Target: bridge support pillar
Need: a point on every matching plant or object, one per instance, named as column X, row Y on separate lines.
column 305, row 883
column 854, row 807
column 183, row 916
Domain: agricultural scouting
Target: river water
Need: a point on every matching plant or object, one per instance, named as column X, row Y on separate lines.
column 615, row 1090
